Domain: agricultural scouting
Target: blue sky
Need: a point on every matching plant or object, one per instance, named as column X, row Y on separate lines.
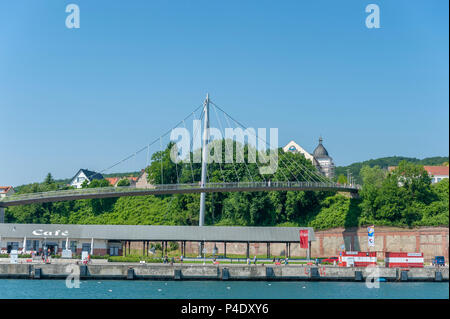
column 87, row 97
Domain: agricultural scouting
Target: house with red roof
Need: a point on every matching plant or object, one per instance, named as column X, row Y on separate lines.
column 114, row 180
column 6, row 190
column 437, row 173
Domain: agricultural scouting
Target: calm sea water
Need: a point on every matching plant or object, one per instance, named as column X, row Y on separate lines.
column 111, row 289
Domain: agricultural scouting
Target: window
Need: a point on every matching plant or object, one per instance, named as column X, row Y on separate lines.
column 12, row 245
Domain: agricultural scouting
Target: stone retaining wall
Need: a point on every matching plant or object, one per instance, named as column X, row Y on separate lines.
column 219, row 272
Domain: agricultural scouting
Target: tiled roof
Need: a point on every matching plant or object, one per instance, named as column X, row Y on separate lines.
column 4, row 189
column 92, row 175
column 431, row 170
column 437, row 170
column 89, row 174
column 112, row 180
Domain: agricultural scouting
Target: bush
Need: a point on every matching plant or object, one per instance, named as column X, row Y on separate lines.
column 100, row 256
column 133, row 259
column 173, row 245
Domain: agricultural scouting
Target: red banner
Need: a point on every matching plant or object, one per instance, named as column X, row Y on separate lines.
column 304, row 238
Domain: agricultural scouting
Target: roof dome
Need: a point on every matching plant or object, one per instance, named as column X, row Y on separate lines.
column 320, row 151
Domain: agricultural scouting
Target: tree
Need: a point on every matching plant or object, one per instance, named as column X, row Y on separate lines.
column 342, row 179
column 163, row 170
column 124, row 182
column 49, row 179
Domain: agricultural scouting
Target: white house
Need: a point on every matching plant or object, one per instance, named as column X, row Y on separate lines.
column 83, row 175
column 6, row 190
column 437, row 173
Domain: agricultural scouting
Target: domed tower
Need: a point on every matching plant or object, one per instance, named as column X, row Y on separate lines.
column 324, row 162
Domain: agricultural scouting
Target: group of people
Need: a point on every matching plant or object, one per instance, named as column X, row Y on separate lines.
column 172, row 260
column 249, row 262
column 44, row 254
column 278, row 261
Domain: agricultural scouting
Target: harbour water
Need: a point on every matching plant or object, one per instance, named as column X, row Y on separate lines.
column 145, row 289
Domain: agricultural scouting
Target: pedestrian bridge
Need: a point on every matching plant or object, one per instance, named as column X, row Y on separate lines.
column 110, row 192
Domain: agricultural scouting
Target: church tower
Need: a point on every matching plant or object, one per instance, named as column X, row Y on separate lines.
column 324, row 162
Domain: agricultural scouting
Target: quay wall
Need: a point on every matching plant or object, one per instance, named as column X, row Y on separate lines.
column 219, row 272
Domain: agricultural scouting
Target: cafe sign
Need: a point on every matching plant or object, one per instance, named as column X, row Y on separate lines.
column 41, row 232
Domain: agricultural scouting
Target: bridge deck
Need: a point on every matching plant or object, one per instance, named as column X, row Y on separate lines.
column 109, row 192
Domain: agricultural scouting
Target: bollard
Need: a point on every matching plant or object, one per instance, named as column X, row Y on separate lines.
column 358, row 275
column 315, row 273
column 83, row 271
column 437, row 276
column 404, row 275
column 225, row 274
column 37, row 273
column 177, row 274
column 130, row 274
column 270, row 273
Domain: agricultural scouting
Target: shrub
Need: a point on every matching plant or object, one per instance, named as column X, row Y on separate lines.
column 133, row 259
column 100, row 256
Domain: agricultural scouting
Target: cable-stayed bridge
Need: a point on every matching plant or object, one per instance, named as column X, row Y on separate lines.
column 109, row 192
column 188, row 176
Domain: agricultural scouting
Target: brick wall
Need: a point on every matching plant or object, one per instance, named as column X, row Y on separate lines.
column 432, row 241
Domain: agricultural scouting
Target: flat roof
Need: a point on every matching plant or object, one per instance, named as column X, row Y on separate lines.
column 155, row 233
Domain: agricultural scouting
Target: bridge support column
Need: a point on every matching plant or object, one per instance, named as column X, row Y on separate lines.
column 225, row 249
column 2, row 215
column 354, row 195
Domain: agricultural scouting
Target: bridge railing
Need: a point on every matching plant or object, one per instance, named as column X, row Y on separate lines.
column 180, row 187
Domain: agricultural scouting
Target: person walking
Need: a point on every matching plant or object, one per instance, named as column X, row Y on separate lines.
column 254, row 260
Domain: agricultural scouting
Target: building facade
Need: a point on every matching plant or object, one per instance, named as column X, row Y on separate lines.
column 437, row 173
column 319, row 158
column 6, row 191
column 142, row 182
column 82, row 176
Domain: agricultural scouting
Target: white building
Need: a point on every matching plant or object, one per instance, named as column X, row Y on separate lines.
column 437, row 173
column 319, row 158
column 83, row 175
column 6, row 190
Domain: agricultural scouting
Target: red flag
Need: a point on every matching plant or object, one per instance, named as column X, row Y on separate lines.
column 304, row 238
